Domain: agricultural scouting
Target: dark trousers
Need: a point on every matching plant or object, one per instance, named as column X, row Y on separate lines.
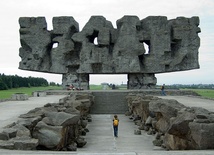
column 115, row 131
column 163, row 93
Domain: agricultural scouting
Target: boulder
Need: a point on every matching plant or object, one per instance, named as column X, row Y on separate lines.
column 29, row 123
column 25, row 143
column 172, row 142
column 80, row 142
column 157, row 142
column 48, row 136
column 137, row 132
column 60, row 119
column 10, row 132
column 22, row 131
column 38, row 112
column 202, row 134
column 4, row 136
column 78, row 103
column 181, row 127
column 165, row 111
column 20, row 143
column 139, row 105
column 6, row 145
column 56, row 126
column 167, row 108
column 72, row 147
column 162, row 125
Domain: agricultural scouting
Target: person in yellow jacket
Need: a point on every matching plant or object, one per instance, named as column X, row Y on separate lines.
column 115, row 125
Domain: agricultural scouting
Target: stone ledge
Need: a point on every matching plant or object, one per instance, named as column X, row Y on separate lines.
column 19, row 97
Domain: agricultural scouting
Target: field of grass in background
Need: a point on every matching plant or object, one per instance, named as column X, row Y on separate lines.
column 4, row 94
column 95, row 87
column 100, row 87
column 204, row 92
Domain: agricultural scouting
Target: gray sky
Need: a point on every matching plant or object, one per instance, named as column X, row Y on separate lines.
column 112, row 10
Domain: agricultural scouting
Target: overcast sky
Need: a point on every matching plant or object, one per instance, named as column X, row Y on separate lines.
column 112, row 10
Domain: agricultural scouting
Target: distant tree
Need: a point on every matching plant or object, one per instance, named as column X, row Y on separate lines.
column 15, row 81
column 18, row 81
column 3, row 86
column 7, row 80
column 52, row 84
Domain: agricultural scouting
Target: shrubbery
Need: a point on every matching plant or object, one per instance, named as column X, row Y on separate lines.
column 11, row 81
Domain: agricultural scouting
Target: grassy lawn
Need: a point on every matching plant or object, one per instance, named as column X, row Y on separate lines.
column 4, row 94
column 96, row 87
column 100, row 87
column 204, row 92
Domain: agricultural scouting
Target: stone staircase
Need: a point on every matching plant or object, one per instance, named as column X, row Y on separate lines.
column 109, row 102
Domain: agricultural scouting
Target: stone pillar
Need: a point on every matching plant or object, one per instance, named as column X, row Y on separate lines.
column 77, row 80
column 141, row 81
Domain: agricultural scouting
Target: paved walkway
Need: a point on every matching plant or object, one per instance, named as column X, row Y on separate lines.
column 100, row 139
column 193, row 101
column 10, row 110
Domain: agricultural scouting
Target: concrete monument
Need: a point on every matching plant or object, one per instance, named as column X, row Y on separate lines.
column 99, row 48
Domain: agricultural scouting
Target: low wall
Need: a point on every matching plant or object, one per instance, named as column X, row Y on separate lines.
column 109, row 103
column 114, row 101
column 155, row 92
column 39, row 94
column 19, row 97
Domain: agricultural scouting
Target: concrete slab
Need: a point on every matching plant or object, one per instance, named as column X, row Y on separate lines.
column 12, row 152
column 192, row 101
column 190, row 152
column 10, row 110
column 101, row 139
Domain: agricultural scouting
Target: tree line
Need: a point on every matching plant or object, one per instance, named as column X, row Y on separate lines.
column 15, row 81
column 190, row 86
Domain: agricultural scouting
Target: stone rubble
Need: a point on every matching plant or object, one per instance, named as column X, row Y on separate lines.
column 56, row 126
column 175, row 126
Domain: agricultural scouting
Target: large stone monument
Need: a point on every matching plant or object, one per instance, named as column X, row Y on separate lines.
column 99, row 48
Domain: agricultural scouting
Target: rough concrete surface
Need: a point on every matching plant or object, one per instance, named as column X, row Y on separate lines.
column 193, row 101
column 99, row 48
column 10, row 110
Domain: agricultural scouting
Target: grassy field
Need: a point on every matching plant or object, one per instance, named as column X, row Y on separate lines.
column 95, row 87
column 4, row 94
column 204, row 92
column 100, row 87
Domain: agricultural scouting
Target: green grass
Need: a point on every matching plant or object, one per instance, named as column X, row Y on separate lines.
column 96, row 87
column 100, row 87
column 4, row 94
column 204, row 92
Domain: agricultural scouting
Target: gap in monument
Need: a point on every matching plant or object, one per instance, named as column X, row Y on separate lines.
column 146, row 47
column 49, row 21
column 95, row 41
column 55, row 45
column 107, row 80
